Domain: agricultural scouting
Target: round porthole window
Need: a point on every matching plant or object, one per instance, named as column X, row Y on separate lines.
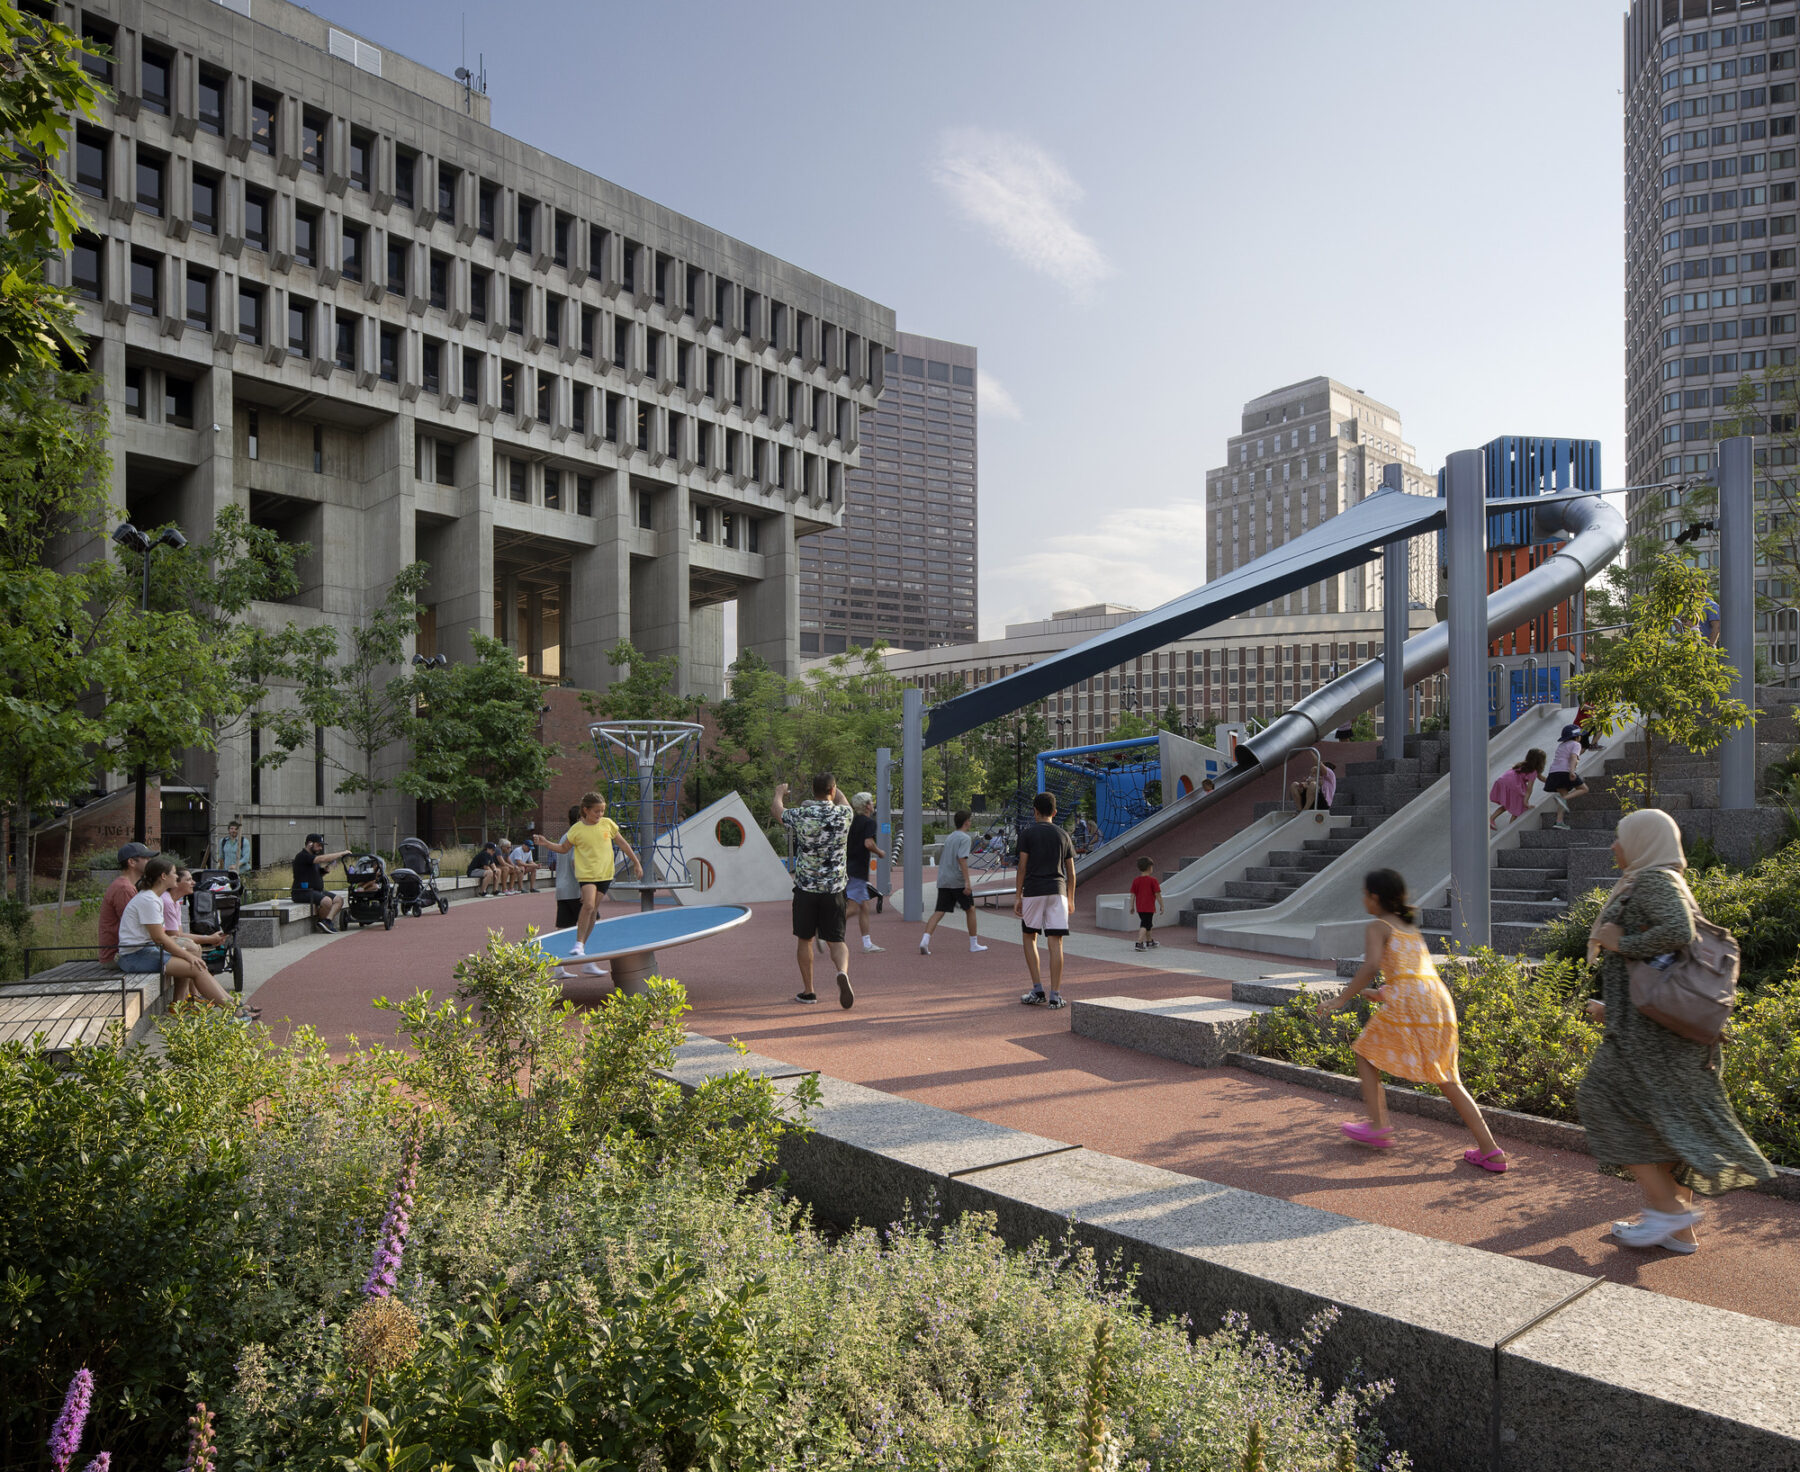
column 701, row 875
column 729, row 833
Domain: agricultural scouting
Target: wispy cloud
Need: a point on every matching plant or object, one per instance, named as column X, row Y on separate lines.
column 1021, row 196
column 1135, row 555
column 991, row 395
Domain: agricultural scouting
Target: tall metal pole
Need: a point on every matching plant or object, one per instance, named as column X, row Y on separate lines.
column 647, row 834
column 1465, row 545
column 1396, row 597
column 884, row 819
column 912, row 782
column 1737, row 614
column 140, row 813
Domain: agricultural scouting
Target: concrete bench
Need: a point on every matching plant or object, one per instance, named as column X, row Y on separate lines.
column 1196, row 1030
column 1279, row 989
column 74, row 1005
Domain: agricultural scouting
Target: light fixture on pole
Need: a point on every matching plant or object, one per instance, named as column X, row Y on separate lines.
column 131, row 539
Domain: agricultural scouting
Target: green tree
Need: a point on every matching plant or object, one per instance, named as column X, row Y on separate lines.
column 363, row 695
column 754, row 749
column 507, row 760
column 1130, row 726
column 1663, row 670
column 646, row 691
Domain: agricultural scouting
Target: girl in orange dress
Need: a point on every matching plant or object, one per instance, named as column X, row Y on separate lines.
column 1413, row 1031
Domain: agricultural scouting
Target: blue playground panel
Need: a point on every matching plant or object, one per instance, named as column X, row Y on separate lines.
column 629, row 934
column 1119, row 801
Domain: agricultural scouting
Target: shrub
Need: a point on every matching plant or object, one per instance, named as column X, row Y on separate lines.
column 1760, row 906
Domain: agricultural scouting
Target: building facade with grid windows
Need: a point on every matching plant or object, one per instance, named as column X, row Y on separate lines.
column 903, row 567
column 322, row 287
column 1710, row 210
column 1304, row 453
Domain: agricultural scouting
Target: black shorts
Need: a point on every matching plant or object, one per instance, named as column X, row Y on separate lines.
column 600, row 884
column 311, row 898
column 820, row 915
column 567, row 913
column 1146, row 919
column 1561, row 782
column 950, row 900
column 1320, row 805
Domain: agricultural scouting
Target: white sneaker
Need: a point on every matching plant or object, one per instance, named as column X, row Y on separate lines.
column 976, row 945
column 1657, row 1229
column 578, row 950
column 869, row 945
column 593, row 970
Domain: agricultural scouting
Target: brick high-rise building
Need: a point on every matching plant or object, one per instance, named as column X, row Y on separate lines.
column 903, row 565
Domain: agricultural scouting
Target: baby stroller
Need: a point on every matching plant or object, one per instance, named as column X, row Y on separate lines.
column 370, row 899
column 217, row 899
column 417, row 880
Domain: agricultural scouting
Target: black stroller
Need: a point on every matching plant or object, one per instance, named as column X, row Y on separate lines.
column 214, row 906
column 370, row 899
column 417, row 880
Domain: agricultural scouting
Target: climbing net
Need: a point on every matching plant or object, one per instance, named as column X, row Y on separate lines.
column 643, row 767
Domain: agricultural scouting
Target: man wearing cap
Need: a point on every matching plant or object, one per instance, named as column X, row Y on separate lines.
column 310, row 865
column 132, row 858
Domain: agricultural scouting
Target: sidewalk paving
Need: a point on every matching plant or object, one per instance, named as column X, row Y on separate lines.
column 948, row 1030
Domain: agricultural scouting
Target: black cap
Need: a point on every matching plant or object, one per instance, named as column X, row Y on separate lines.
column 132, row 851
column 318, row 838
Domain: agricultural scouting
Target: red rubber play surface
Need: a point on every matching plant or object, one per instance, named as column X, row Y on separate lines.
column 948, row 1030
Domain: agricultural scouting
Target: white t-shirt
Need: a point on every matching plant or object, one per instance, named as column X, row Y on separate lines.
column 1566, row 754
column 522, row 855
column 144, row 910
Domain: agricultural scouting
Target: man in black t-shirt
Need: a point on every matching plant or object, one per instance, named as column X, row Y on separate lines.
column 862, row 846
column 310, row 865
column 1044, row 896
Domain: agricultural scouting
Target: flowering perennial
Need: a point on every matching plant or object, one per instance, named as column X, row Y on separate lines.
column 390, row 1241
column 65, row 1434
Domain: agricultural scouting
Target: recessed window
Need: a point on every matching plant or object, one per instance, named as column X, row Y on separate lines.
column 145, row 271
column 299, row 333
column 546, row 396
column 151, row 170
column 646, row 508
column 632, row 251
column 134, row 392
column 353, row 253
column 444, row 463
column 250, row 314
column 86, row 262
column 344, row 350
column 253, row 434
column 584, row 495
column 478, row 294
column 212, row 89
column 552, row 490
column 158, row 67
column 447, row 180
column 199, row 299
column 205, row 210
column 509, row 388
column 471, row 376
column 313, row 126
column 406, row 175
column 91, row 151
column 578, row 407
column 515, row 307
column 599, row 253
column 306, row 237
column 397, row 253
column 527, row 217
column 440, row 281
column 390, row 354
column 178, row 402
column 553, row 315
column 516, row 486
column 318, row 449
column 588, row 317
column 265, row 110
column 362, row 155
column 621, row 342
column 431, row 366
column 564, row 225
column 98, row 36
column 256, row 219
column 489, row 203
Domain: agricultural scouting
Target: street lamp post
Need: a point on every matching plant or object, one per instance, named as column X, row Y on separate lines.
column 128, row 536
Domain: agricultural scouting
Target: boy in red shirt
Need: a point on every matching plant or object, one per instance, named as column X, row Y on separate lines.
column 1146, row 894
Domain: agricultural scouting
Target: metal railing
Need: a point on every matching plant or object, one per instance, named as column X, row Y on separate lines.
column 1317, row 776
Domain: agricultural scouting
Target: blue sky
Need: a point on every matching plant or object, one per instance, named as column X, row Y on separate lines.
column 1141, row 214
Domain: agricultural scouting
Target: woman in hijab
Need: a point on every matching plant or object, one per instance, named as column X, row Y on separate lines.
column 1652, row 1100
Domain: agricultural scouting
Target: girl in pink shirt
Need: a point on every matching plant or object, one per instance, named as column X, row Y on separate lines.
column 1512, row 792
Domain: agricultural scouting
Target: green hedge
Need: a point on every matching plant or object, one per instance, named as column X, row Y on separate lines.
column 1525, row 1043
column 588, row 1263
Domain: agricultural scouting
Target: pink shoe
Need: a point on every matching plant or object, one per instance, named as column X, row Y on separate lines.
column 1494, row 1160
column 1366, row 1134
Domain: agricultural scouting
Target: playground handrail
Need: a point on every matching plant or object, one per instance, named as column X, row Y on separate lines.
column 1318, row 770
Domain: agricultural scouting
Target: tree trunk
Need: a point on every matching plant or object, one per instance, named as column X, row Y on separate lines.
column 62, row 890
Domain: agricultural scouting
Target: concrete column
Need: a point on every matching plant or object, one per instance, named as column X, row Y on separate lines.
column 1395, row 596
column 884, row 818
column 597, row 611
column 532, row 645
column 1465, row 541
column 462, row 572
column 706, row 673
column 386, row 538
column 912, row 818
column 660, row 614
column 508, row 629
column 1737, row 614
column 769, row 609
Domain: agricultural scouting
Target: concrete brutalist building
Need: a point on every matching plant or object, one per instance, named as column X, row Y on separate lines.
column 904, row 566
column 323, row 287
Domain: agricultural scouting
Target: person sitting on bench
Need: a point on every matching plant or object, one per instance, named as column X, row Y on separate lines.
column 488, row 868
column 310, row 867
column 146, row 947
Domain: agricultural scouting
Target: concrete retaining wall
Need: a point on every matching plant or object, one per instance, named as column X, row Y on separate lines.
column 1619, row 1380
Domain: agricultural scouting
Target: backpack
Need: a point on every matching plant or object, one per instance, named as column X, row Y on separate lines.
column 1693, row 993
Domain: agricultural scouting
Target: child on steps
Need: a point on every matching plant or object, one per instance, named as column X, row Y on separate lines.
column 1511, row 792
column 1413, row 1032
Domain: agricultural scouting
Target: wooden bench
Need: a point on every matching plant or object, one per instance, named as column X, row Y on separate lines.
column 74, row 1004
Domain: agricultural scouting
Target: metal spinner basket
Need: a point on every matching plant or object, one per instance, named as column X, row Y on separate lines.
column 643, row 770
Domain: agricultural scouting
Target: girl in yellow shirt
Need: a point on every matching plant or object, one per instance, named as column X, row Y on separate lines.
column 591, row 841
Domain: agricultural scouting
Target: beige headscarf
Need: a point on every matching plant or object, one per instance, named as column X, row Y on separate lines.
column 1649, row 839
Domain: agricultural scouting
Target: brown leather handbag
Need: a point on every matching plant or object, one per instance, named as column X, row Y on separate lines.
column 1693, row 991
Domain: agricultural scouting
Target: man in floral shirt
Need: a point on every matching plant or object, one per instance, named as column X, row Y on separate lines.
column 819, row 832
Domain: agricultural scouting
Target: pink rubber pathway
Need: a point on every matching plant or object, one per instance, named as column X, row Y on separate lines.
column 948, row 1030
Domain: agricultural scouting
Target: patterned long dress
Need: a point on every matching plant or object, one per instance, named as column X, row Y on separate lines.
column 1413, row 1032
column 1651, row 1095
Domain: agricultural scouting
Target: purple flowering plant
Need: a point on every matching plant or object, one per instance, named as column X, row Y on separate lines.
column 390, row 1240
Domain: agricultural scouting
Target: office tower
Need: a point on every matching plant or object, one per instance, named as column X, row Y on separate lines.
column 322, row 287
column 902, row 566
column 1709, row 236
column 1304, row 453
